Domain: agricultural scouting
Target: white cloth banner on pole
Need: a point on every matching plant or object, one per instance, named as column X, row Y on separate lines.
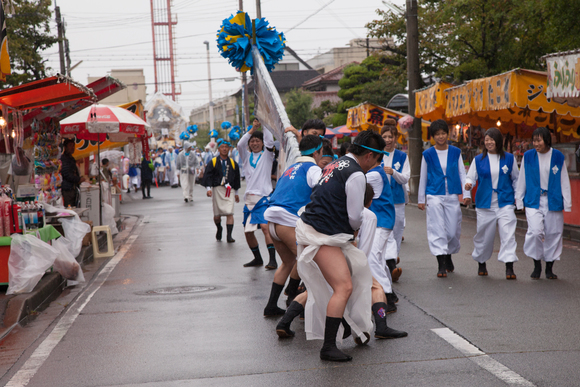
column 269, row 109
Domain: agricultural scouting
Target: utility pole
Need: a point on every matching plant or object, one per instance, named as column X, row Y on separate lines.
column 258, row 9
column 245, row 106
column 211, row 123
column 368, row 48
column 60, row 40
column 414, row 77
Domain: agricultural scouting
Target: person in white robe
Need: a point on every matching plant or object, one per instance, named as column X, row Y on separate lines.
column 187, row 163
column 441, row 182
column 544, row 189
column 496, row 173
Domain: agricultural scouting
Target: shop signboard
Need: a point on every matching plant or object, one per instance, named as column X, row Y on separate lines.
column 563, row 76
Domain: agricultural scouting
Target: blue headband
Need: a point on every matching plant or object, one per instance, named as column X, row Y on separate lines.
column 310, row 151
column 222, row 141
column 372, row 149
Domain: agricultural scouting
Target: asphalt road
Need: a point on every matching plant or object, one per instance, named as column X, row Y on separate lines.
column 176, row 308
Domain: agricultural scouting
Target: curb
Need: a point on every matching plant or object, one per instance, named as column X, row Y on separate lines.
column 22, row 309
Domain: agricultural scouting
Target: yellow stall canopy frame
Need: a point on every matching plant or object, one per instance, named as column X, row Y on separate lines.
column 517, row 97
column 430, row 103
column 368, row 116
column 84, row 148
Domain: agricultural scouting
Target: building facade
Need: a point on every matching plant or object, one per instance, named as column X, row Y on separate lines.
column 134, row 79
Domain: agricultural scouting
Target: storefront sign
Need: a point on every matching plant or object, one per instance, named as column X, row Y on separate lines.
column 563, row 76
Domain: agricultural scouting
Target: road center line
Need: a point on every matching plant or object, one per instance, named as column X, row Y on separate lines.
column 42, row 352
column 481, row 359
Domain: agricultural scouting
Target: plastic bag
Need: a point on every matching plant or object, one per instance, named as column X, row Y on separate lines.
column 65, row 263
column 109, row 218
column 29, row 258
column 75, row 230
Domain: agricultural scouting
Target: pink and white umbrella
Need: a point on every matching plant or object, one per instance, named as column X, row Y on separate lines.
column 97, row 121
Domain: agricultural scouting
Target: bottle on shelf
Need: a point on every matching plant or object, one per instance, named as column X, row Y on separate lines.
column 40, row 215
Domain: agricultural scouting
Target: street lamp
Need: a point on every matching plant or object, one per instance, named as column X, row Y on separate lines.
column 211, row 123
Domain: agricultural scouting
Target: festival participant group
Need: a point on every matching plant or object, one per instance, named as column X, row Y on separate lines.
column 337, row 221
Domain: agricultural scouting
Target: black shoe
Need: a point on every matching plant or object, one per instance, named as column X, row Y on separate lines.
column 283, row 328
column 272, row 312
column 254, row 262
column 334, row 354
column 185, row 200
column 391, row 307
column 231, row 240
column 449, row 264
column 272, row 265
column 389, row 333
column 537, row 269
column 144, row 197
column 482, row 269
column 509, row 271
column 442, row 271
column 218, row 234
column 174, row 186
column 549, row 274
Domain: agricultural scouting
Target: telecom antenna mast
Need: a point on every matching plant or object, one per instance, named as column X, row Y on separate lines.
column 162, row 22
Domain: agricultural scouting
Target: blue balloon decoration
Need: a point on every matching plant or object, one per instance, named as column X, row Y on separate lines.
column 226, row 125
column 235, row 42
column 213, row 133
column 192, row 129
column 184, row 136
column 234, row 134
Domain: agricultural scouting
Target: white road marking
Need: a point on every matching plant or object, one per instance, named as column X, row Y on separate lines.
column 481, row 359
column 39, row 356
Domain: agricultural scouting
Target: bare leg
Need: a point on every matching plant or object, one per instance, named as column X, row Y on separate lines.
column 334, row 268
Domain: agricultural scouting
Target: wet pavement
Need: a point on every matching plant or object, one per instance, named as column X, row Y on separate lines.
column 176, row 308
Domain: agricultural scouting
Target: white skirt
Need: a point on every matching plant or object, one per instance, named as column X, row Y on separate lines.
column 358, row 308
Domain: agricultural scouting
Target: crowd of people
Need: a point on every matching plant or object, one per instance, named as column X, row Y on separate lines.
column 337, row 221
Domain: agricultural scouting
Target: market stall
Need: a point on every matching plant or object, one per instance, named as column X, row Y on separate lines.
column 99, row 123
column 368, row 116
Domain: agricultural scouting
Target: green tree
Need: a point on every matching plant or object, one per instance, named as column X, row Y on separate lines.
column 366, row 82
column 28, row 35
column 325, row 111
column 468, row 39
column 298, row 104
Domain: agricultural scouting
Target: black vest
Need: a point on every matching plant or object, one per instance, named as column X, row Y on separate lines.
column 327, row 211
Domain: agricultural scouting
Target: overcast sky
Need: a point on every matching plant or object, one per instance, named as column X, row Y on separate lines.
column 117, row 34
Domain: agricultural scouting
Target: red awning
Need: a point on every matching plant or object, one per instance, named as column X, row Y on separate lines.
column 46, row 92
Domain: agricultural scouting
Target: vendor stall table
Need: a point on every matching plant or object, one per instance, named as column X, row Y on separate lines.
column 45, row 233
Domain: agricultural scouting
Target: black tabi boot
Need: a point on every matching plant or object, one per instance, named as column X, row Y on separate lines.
column 391, row 307
column 272, row 265
column 549, row 274
column 395, row 297
column 382, row 330
column 230, row 228
column 347, row 330
column 329, row 349
column 257, row 261
column 449, row 264
column 509, row 271
column 283, row 327
column 220, row 229
column 441, row 263
column 272, row 309
column 291, row 290
column 537, row 269
column 481, row 269
column 394, row 270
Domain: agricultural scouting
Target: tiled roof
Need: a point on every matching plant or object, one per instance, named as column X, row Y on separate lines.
column 333, row 76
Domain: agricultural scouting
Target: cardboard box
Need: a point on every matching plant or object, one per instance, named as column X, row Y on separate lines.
column 87, row 238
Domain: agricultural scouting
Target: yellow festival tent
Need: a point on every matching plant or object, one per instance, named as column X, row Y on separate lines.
column 85, row 148
column 368, row 116
column 430, row 102
column 515, row 99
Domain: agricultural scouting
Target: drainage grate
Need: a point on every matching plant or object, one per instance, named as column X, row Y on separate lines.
column 181, row 290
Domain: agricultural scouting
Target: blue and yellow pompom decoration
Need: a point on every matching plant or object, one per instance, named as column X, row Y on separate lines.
column 235, row 133
column 213, row 133
column 184, row 136
column 226, row 125
column 192, row 129
column 235, row 42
